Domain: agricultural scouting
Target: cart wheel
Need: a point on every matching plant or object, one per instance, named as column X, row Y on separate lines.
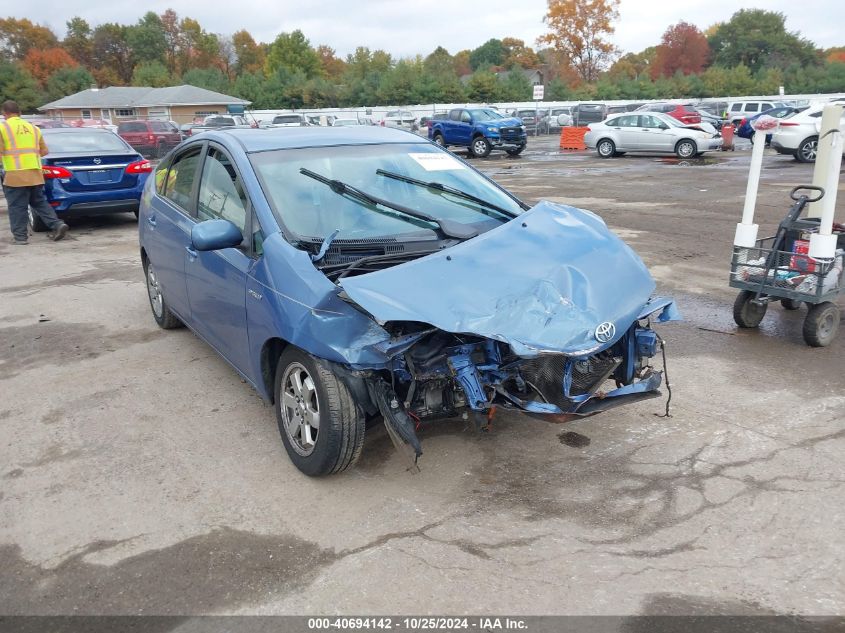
column 821, row 324
column 790, row 304
column 746, row 312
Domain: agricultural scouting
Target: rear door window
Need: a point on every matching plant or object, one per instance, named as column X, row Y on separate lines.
column 179, row 186
column 752, row 107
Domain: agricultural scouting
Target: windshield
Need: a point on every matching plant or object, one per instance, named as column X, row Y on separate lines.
column 291, row 118
column 87, row 141
column 310, row 209
column 485, row 115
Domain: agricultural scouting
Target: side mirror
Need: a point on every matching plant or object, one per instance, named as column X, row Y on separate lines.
column 663, row 126
column 215, row 235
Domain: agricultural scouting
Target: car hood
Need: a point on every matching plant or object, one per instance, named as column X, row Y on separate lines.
column 509, row 122
column 542, row 282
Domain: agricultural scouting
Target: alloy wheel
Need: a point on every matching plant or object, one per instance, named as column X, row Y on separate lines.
column 300, row 409
column 154, row 291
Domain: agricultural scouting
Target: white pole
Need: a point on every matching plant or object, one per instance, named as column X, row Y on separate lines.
column 823, row 243
column 746, row 231
column 829, row 121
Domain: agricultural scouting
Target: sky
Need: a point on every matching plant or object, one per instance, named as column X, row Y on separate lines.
column 406, row 28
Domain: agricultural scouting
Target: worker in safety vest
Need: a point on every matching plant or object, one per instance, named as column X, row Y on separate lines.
column 21, row 149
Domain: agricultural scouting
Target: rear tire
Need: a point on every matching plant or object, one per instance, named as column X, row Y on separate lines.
column 35, row 222
column 165, row 319
column 605, row 148
column 748, row 314
column 307, row 392
column 821, row 324
column 439, row 140
column 806, row 152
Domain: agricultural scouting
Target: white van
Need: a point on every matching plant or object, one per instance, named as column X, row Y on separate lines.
column 739, row 110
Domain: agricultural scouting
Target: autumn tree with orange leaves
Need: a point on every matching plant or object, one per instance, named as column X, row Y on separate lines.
column 579, row 30
column 43, row 63
column 683, row 48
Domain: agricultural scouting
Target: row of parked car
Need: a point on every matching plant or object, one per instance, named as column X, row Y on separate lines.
column 687, row 132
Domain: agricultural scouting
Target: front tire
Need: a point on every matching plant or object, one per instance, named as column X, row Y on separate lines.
column 821, row 324
column 35, row 222
column 165, row 319
column 515, row 151
column 321, row 426
column 480, row 147
column 605, row 148
column 806, row 152
column 748, row 314
column 685, row 149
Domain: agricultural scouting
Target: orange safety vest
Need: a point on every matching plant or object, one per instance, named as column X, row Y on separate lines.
column 21, row 144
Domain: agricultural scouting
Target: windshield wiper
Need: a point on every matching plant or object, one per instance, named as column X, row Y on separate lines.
column 438, row 186
column 447, row 228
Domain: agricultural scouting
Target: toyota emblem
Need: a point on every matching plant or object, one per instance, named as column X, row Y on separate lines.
column 605, row 332
column 97, row 161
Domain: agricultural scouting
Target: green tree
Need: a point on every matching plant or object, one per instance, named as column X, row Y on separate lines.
column 208, row 78
column 491, row 53
column 147, row 39
column 67, row 81
column 112, row 52
column 16, row 83
column 152, row 74
column 292, row 52
column 484, row 87
column 515, row 86
column 439, row 62
column 77, row 42
column 758, row 38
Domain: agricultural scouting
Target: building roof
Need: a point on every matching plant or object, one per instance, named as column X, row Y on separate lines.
column 131, row 97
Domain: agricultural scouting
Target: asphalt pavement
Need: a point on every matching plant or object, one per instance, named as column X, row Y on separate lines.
column 139, row 474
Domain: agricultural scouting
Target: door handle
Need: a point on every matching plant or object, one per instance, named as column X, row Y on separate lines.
column 192, row 254
column 151, row 220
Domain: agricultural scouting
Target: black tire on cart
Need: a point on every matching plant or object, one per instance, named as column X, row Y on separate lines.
column 790, row 304
column 748, row 314
column 821, row 324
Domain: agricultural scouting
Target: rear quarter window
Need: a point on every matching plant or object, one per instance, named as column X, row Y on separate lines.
column 132, row 127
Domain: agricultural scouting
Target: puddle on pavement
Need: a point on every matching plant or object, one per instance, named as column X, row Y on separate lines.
column 693, row 162
column 573, row 439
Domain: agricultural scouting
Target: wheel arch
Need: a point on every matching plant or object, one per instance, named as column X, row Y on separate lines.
column 271, row 351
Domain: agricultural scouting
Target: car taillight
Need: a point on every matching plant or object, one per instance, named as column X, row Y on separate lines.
column 743, row 122
column 139, row 167
column 151, row 138
column 50, row 171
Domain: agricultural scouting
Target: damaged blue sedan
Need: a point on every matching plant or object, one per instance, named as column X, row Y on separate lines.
column 351, row 274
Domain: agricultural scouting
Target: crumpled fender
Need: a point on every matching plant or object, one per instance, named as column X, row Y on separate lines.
column 542, row 282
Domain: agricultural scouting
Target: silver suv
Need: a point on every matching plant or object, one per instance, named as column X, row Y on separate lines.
column 739, row 110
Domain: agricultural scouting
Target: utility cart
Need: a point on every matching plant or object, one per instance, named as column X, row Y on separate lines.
column 779, row 268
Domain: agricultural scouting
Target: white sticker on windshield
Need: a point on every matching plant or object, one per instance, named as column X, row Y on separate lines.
column 437, row 162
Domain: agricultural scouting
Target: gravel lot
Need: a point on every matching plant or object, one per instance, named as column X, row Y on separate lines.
column 139, row 474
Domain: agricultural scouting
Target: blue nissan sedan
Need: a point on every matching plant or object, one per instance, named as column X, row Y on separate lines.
column 90, row 171
column 363, row 273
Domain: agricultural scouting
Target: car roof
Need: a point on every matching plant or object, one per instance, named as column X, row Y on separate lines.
column 75, row 130
column 262, row 140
